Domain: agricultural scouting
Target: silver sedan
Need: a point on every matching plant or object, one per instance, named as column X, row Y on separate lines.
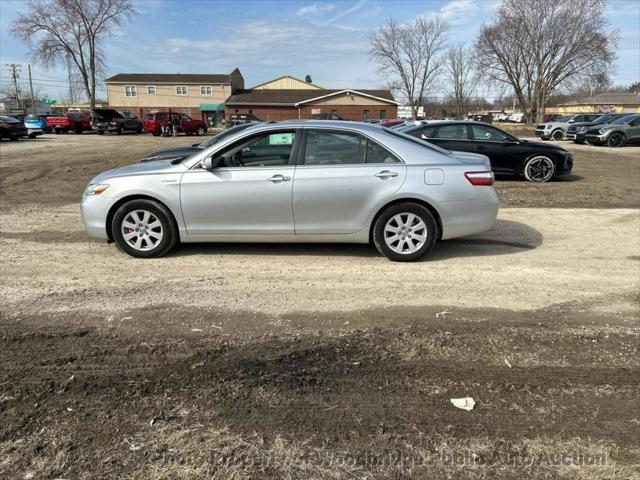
column 297, row 181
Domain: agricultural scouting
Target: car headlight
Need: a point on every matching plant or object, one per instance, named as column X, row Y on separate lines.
column 95, row 189
column 547, row 127
column 581, row 129
column 604, row 129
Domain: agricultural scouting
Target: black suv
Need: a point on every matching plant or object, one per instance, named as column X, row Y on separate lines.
column 110, row 120
column 577, row 131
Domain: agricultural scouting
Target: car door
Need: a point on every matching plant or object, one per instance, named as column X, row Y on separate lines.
column 341, row 177
column 633, row 130
column 453, row 136
column 186, row 123
column 500, row 147
column 248, row 193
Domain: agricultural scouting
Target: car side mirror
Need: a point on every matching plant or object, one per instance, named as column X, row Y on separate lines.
column 209, row 163
column 571, row 121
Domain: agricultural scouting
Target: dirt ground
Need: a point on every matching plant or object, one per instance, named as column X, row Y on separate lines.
column 320, row 361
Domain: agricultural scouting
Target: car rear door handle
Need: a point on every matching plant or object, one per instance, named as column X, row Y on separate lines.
column 279, row 178
column 386, row 174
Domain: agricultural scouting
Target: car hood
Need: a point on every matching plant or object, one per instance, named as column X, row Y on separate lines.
column 171, row 153
column 544, row 146
column 146, row 168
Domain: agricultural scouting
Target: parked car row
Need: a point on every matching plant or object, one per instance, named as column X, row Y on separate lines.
column 610, row 129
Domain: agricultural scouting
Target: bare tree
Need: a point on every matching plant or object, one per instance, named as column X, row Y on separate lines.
column 56, row 29
column 410, row 56
column 537, row 46
column 460, row 77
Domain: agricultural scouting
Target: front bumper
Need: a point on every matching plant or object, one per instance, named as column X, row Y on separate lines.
column 543, row 134
column 105, row 127
column 94, row 210
column 596, row 139
column 34, row 132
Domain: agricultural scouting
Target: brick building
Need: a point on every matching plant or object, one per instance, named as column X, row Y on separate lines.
column 198, row 95
column 290, row 98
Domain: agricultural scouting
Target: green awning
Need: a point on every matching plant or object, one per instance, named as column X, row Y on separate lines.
column 212, row 107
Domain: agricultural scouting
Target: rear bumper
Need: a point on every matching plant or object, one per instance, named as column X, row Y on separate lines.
column 466, row 217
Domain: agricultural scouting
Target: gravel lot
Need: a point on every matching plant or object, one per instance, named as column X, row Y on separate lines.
column 319, row 361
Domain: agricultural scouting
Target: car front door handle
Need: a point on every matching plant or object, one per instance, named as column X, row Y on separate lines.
column 480, row 147
column 279, row 178
column 386, row 174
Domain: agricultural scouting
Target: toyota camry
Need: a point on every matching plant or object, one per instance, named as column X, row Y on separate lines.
column 297, row 181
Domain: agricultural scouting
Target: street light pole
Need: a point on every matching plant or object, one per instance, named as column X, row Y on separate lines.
column 33, row 100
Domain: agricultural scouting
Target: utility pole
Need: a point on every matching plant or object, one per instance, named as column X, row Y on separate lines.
column 15, row 73
column 33, row 100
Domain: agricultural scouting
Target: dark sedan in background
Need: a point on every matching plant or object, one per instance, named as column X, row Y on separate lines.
column 12, row 128
column 538, row 162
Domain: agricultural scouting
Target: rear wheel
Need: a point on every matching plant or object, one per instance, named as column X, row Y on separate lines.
column 557, row 134
column 616, row 140
column 144, row 229
column 405, row 232
column 539, row 169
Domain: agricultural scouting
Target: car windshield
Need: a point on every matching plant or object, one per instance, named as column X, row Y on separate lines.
column 225, row 134
column 403, row 135
column 566, row 118
column 8, row 119
column 623, row 120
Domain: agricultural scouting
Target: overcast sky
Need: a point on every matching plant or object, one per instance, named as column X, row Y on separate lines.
column 269, row 38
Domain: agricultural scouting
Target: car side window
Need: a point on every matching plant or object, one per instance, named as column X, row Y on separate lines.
column 453, row 132
column 481, row 132
column 334, row 148
column 264, row 150
column 184, row 117
column 378, row 154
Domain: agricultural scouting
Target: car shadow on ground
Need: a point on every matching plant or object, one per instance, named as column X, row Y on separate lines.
column 564, row 178
column 507, row 237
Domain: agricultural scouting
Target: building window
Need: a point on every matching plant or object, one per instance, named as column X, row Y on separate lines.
column 206, row 90
column 151, row 89
column 383, row 114
column 130, row 91
column 181, row 90
column 365, row 115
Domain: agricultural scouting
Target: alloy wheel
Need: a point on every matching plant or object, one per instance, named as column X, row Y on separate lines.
column 405, row 233
column 540, row 169
column 142, row 230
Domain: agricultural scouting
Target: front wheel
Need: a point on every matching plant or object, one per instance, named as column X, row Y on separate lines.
column 579, row 142
column 200, row 131
column 144, row 229
column 539, row 169
column 616, row 140
column 405, row 232
column 557, row 135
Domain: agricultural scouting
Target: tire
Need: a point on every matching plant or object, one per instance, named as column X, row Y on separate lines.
column 120, row 131
column 557, row 135
column 155, row 134
column 100, row 132
column 616, row 140
column 13, row 138
column 399, row 216
column 539, row 169
column 579, row 142
column 144, row 244
column 200, row 131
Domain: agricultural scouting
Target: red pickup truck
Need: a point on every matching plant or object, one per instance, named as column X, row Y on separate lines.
column 153, row 123
column 76, row 122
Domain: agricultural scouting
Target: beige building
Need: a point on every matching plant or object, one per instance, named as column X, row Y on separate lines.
column 286, row 82
column 614, row 102
column 198, row 95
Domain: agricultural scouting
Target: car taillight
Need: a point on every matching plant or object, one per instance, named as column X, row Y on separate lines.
column 480, row 178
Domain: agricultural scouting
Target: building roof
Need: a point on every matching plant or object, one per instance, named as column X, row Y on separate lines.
column 282, row 78
column 299, row 97
column 173, row 78
column 617, row 98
